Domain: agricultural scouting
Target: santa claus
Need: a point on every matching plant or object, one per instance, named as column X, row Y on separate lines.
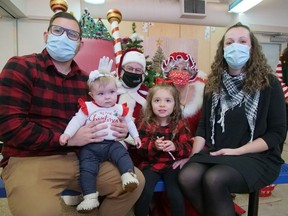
column 132, row 91
column 131, row 74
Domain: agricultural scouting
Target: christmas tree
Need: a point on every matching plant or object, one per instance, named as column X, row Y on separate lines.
column 90, row 29
column 134, row 41
column 150, row 74
column 101, row 31
column 158, row 57
column 153, row 68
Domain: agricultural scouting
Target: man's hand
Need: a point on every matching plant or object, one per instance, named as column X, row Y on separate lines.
column 120, row 129
column 92, row 132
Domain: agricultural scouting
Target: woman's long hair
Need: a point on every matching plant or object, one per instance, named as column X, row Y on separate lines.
column 256, row 69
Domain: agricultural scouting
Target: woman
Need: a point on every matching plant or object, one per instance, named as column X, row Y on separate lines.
column 181, row 69
column 242, row 127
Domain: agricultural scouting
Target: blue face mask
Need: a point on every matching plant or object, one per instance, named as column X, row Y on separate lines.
column 61, row 48
column 236, row 55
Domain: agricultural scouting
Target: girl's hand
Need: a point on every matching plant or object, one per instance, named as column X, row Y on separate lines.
column 168, row 146
column 159, row 143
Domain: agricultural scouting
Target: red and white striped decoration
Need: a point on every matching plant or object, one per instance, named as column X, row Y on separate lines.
column 114, row 17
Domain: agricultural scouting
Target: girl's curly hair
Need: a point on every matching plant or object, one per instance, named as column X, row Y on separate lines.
column 256, row 69
column 148, row 116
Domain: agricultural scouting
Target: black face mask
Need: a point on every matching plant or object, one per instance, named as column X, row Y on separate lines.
column 132, row 80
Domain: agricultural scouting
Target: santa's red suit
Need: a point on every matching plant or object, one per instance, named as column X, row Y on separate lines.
column 135, row 99
column 192, row 108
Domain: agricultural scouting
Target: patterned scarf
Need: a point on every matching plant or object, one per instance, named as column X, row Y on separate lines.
column 232, row 95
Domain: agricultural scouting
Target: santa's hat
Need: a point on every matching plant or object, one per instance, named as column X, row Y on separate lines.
column 131, row 55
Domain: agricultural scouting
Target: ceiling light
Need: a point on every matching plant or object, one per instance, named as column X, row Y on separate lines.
column 240, row 6
column 95, row 1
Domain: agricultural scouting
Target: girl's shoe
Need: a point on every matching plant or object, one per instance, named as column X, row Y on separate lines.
column 89, row 203
column 129, row 181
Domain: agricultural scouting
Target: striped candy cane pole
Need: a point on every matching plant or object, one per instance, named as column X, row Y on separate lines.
column 114, row 17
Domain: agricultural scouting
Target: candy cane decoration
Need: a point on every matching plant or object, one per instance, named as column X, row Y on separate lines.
column 114, row 17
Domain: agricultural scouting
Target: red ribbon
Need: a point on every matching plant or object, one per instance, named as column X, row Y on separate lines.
column 160, row 80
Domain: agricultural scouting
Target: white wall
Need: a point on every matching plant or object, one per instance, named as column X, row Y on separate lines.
column 8, row 40
column 20, row 37
column 30, row 39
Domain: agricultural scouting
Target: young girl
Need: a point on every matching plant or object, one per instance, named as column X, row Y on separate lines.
column 103, row 90
column 165, row 138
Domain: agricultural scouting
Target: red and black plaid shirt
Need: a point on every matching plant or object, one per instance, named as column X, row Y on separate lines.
column 160, row 161
column 37, row 102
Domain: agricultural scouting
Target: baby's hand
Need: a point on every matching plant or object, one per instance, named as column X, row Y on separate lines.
column 138, row 143
column 63, row 139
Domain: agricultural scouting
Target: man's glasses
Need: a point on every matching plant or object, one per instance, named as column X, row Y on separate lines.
column 58, row 30
column 133, row 70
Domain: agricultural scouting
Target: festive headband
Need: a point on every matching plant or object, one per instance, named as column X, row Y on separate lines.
column 94, row 75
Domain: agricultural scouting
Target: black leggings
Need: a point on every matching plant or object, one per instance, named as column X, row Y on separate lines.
column 174, row 194
column 208, row 187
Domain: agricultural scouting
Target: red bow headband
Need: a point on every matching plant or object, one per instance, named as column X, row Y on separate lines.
column 160, row 80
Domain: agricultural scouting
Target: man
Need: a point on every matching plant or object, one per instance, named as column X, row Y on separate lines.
column 131, row 71
column 39, row 94
column 132, row 91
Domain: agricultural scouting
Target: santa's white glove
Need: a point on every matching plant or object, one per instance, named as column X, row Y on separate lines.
column 105, row 64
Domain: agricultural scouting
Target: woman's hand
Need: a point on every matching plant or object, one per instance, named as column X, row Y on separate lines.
column 180, row 163
column 225, row 151
column 120, row 129
column 92, row 132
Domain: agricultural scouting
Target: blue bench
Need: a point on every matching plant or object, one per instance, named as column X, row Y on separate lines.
column 254, row 197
